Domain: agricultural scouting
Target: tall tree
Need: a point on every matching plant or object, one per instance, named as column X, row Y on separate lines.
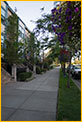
column 12, row 51
column 65, row 22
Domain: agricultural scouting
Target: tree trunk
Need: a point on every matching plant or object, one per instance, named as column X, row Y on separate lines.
column 68, row 81
column 64, row 69
column 34, row 69
column 14, row 72
column 27, row 69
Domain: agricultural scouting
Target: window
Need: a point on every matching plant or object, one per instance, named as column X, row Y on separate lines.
column 20, row 28
column 3, row 20
column 19, row 38
column 21, row 31
column 2, row 38
column 3, row 13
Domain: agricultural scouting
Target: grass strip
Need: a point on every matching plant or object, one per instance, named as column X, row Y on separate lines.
column 69, row 101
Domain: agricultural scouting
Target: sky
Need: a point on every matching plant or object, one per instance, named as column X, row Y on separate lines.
column 31, row 10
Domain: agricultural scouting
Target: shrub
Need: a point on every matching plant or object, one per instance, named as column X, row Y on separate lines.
column 51, row 67
column 38, row 70
column 24, row 75
column 43, row 70
column 45, row 65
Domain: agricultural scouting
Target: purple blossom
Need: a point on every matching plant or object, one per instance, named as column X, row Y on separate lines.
column 80, row 14
column 61, row 39
column 53, row 10
column 66, row 21
column 64, row 33
column 59, row 17
column 53, row 28
column 56, row 13
column 56, row 32
column 75, row 51
column 67, row 10
column 70, row 17
column 58, row 5
column 56, row 26
column 55, row 20
column 70, row 12
column 70, row 27
column 68, row 3
column 62, row 42
column 59, row 26
column 59, row 34
column 53, row 15
column 76, row 9
column 52, row 18
column 67, row 18
column 70, row 34
column 60, row 10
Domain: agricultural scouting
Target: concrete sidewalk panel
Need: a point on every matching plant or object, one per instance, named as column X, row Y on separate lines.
column 45, row 95
column 23, row 115
column 47, row 88
column 12, row 101
column 36, row 103
column 6, row 113
column 34, row 100
column 19, row 92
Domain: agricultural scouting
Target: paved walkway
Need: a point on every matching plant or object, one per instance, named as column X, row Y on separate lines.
column 35, row 100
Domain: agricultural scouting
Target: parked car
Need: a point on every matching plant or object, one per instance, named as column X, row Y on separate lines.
column 76, row 71
column 70, row 68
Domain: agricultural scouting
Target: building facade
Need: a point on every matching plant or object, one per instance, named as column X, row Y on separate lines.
column 7, row 11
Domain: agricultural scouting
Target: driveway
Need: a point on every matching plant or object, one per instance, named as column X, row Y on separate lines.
column 35, row 100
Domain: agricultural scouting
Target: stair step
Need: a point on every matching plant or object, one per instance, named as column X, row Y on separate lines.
column 5, row 76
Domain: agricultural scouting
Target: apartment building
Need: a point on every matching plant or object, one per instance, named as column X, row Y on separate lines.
column 6, row 11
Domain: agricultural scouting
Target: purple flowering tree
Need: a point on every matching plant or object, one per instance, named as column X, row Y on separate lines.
column 64, row 23
column 66, row 19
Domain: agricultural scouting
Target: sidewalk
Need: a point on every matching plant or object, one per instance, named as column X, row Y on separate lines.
column 31, row 101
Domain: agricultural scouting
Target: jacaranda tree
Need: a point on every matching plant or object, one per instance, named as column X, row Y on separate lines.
column 66, row 19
